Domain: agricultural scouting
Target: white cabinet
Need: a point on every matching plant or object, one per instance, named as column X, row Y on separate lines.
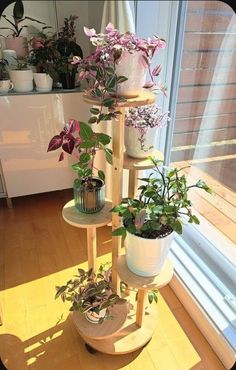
column 27, row 123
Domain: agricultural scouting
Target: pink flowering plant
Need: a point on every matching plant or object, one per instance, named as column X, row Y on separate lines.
column 79, row 140
column 143, row 118
column 99, row 68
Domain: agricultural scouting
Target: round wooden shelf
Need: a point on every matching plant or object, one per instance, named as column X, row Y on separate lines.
column 139, row 282
column 131, row 337
column 143, row 163
column 104, row 330
column 144, row 98
column 78, row 219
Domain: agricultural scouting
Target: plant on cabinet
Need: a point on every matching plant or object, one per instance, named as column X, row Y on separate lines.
column 5, row 83
column 22, row 76
column 17, row 42
column 141, row 128
column 79, row 139
column 149, row 221
column 90, row 294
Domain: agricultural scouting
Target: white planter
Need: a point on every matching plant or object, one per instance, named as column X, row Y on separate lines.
column 93, row 317
column 146, row 257
column 22, row 80
column 140, row 142
column 43, row 82
column 19, row 44
column 131, row 66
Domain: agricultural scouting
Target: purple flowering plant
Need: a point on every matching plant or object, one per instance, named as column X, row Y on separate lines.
column 99, row 68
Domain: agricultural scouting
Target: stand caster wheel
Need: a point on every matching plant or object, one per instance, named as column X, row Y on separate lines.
column 90, row 349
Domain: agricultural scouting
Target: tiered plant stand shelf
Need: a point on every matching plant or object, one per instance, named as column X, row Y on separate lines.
column 133, row 326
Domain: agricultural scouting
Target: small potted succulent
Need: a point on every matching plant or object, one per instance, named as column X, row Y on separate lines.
column 79, row 139
column 22, row 76
column 118, row 67
column 42, row 56
column 141, row 129
column 5, row 83
column 150, row 220
column 90, row 294
column 67, row 48
column 17, row 42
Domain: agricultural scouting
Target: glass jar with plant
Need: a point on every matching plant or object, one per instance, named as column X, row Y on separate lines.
column 116, row 57
column 141, row 128
column 5, row 83
column 149, row 221
column 17, row 42
column 79, row 139
column 91, row 294
column 22, row 76
column 67, row 48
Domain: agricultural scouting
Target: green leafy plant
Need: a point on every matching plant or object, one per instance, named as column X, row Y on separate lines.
column 79, row 139
column 18, row 17
column 21, row 64
column 90, row 292
column 162, row 201
column 152, row 295
column 4, row 75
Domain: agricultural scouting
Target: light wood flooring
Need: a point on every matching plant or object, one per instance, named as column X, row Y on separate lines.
column 38, row 251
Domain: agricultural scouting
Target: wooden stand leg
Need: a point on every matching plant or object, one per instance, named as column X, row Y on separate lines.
column 92, row 248
column 140, row 307
column 9, row 202
column 132, row 183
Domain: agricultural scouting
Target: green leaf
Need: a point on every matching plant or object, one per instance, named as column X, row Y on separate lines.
column 108, row 153
column 101, row 175
column 60, row 290
column 108, row 102
column 92, row 119
column 122, row 79
column 103, row 138
column 86, row 132
column 150, row 297
column 97, row 92
column 195, row 219
column 88, row 144
column 111, row 82
column 94, row 111
column 121, row 231
column 177, row 227
column 84, row 157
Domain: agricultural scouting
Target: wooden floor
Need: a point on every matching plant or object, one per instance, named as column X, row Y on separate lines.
column 38, row 251
column 220, row 207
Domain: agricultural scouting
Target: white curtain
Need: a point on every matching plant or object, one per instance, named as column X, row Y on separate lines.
column 119, row 14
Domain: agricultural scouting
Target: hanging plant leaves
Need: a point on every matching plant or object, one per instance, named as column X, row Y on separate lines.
column 86, row 132
column 55, row 143
column 18, row 10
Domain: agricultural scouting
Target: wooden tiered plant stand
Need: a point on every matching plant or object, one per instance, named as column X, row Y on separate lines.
column 125, row 333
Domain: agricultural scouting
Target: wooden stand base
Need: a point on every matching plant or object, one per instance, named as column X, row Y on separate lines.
column 130, row 337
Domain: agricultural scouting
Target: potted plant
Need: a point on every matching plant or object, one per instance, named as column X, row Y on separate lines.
column 42, row 56
column 150, row 220
column 90, row 294
column 79, row 139
column 65, row 43
column 17, row 42
column 118, row 67
column 141, row 128
column 22, row 76
column 5, row 83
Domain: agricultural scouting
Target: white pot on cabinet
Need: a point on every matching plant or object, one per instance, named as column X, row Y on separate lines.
column 43, row 82
column 146, row 257
column 140, row 142
column 22, row 80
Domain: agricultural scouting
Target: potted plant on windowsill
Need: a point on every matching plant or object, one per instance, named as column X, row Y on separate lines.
column 79, row 139
column 5, row 83
column 90, row 294
column 17, row 42
column 150, row 220
column 117, row 68
column 141, row 128
column 22, row 76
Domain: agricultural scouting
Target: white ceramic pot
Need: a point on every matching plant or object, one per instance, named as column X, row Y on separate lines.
column 133, row 67
column 19, row 44
column 146, row 257
column 22, row 80
column 93, row 317
column 43, row 82
column 5, row 86
column 140, row 142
